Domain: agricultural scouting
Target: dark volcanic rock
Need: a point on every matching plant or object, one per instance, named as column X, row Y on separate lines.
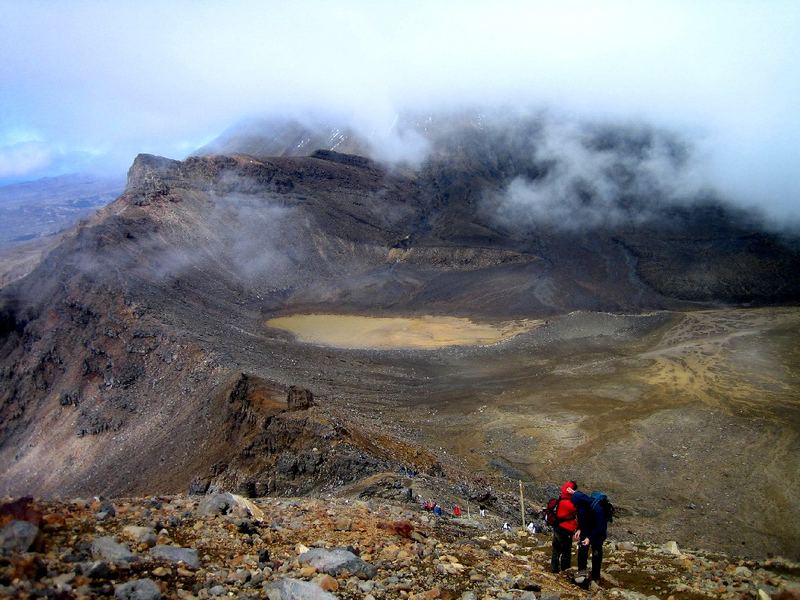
column 337, row 561
column 138, row 589
column 345, row 159
column 299, row 398
column 199, row 486
column 175, row 554
column 99, row 569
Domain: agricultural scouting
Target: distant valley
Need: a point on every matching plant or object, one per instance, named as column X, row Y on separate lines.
column 40, row 208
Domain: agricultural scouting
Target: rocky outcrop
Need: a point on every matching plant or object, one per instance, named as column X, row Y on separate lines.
column 452, row 258
column 297, row 453
column 345, row 159
column 151, row 178
column 299, row 398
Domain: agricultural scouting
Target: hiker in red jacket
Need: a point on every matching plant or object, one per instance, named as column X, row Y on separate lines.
column 564, row 528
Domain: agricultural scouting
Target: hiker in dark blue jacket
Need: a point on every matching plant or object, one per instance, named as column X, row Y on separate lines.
column 592, row 531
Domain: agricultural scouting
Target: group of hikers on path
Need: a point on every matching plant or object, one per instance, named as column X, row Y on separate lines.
column 574, row 517
column 578, row 517
column 431, row 506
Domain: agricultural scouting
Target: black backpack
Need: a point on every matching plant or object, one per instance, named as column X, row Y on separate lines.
column 608, row 508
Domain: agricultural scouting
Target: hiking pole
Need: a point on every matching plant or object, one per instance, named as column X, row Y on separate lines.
column 521, row 504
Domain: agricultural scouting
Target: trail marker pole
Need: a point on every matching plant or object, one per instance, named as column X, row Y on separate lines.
column 521, row 504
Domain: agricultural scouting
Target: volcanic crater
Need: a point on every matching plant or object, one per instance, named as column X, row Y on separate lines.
column 152, row 349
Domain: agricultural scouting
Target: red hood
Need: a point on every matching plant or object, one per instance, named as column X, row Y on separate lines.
column 567, row 484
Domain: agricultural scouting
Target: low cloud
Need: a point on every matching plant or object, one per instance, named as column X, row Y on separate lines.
column 19, row 160
column 600, row 176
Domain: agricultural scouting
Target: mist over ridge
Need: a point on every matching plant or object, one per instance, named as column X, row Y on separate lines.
column 167, row 78
column 530, row 168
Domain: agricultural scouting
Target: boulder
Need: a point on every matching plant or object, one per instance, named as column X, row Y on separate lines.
column 106, row 508
column 18, row 537
column 176, row 554
column 199, row 486
column 140, row 535
column 230, row 504
column 21, row 509
column 298, row 398
column 743, row 572
column 337, row 561
column 671, row 548
column 138, row 589
column 294, row 589
column 107, row 548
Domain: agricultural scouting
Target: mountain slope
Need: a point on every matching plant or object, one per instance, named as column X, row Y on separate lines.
column 120, row 349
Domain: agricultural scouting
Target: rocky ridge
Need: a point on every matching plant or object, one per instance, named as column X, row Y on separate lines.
column 224, row 545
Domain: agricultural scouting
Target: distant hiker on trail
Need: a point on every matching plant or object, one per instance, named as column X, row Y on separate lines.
column 482, row 510
column 456, row 511
column 506, row 526
column 437, row 510
column 531, row 527
column 594, row 513
column 563, row 518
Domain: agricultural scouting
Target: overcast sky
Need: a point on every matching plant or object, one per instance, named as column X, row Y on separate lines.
column 87, row 85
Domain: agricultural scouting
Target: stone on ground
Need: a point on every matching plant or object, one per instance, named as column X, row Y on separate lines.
column 296, row 589
column 337, row 561
column 107, row 548
column 176, row 554
column 138, row 589
column 18, row 536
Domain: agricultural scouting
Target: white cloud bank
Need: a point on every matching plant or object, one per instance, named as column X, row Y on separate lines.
column 163, row 77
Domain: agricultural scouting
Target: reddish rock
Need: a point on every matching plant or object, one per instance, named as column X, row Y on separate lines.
column 402, row 528
column 21, row 509
column 328, row 583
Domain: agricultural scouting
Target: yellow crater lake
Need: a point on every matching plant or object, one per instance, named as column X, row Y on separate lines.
column 427, row 332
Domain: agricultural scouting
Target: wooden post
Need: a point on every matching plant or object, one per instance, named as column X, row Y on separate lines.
column 522, row 504
column 468, row 517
